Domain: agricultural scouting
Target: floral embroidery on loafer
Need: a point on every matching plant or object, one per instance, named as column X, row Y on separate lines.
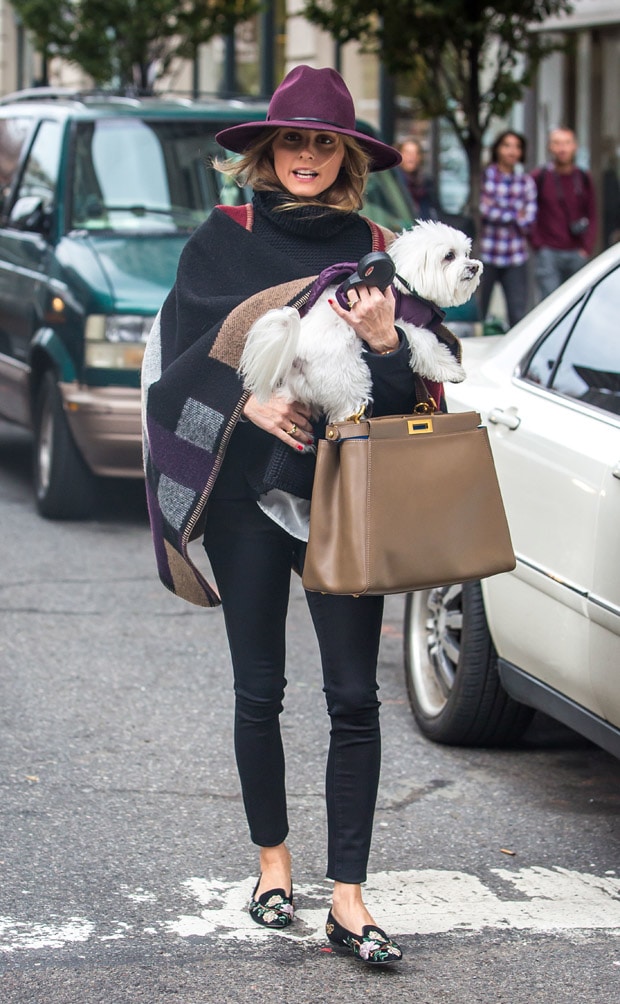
column 372, row 945
column 272, row 909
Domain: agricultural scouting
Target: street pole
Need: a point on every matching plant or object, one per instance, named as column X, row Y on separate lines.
column 266, row 56
column 229, row 80
column 386, row 105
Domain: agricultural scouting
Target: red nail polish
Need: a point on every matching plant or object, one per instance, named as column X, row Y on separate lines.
column 330, row 302
column 300, row 447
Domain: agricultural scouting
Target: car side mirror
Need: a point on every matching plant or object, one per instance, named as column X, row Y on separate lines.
column 29, row 213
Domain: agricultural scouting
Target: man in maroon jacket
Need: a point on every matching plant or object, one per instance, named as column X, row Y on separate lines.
column 564, row 232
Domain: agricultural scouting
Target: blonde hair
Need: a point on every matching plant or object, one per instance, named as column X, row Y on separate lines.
column 255, row 168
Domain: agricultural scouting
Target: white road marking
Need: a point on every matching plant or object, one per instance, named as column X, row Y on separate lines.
column 428, row 902
column 408, row 902
column 15, row 934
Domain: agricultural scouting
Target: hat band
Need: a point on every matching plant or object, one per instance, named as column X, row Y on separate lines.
column 308, row 118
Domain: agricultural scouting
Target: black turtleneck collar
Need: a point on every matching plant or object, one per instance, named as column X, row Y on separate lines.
column 311, row 236
column 305, row 220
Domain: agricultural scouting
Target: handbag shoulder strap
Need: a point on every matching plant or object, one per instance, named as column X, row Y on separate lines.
column 429, row 395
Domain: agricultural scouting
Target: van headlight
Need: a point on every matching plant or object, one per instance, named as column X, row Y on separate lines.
column 116, row 341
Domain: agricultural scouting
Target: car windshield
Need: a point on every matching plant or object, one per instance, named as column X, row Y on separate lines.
column 386, row 203
column 146, row 176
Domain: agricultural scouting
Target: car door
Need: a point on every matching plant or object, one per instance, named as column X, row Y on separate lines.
column 554, row 445
column 589, row 371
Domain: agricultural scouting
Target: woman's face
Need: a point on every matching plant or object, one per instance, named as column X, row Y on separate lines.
column 509, row 153
column 306, row 161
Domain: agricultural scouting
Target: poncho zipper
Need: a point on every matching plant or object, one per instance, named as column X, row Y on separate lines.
column 193, row 519
column 234, row 418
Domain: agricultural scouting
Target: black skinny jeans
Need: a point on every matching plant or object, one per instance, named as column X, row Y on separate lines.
column 252, row 558
column 513, row 280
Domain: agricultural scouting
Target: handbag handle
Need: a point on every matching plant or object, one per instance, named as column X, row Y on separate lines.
column 426, row 405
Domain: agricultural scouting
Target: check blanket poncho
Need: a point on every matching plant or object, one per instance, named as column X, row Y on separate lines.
column 192, row 395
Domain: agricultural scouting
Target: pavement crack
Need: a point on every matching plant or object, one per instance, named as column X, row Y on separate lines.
column 414, row 795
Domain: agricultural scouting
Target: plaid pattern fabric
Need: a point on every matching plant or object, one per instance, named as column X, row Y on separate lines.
column 507, row 208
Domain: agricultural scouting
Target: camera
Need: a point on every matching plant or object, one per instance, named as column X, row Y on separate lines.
column 577, row 227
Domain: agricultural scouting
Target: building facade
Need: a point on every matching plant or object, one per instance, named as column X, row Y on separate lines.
column 580, row 88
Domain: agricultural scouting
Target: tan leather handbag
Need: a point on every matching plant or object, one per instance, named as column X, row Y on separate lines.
column 405, row 502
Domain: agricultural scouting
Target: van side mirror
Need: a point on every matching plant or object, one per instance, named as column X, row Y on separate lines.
column 29, row 213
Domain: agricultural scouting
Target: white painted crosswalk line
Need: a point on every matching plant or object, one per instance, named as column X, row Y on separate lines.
column 422, row 902
column 430, row 902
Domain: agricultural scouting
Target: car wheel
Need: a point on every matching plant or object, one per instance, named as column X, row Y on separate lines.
column 451, row 670
column 64, row 485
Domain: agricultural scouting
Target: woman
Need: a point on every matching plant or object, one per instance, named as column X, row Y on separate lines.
column 307, row 165
column 507, row 210
column 419, row 185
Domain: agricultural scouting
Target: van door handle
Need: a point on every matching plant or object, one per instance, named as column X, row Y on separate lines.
column 509, row 418
column 616, row 471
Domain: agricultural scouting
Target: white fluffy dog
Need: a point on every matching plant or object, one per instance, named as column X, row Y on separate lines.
column 318, row 360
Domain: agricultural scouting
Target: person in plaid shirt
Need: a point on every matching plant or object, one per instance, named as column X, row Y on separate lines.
column 507, row 210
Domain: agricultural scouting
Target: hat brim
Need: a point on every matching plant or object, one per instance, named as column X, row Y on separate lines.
column 238, row 138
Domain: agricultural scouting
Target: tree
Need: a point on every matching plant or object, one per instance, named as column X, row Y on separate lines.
column 468, row 60
column 128, row 42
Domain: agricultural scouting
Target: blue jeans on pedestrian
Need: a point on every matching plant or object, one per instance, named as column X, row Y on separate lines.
column 252, row 558
column 553, row 267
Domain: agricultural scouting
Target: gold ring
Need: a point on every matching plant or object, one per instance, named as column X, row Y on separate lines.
column 292, row 430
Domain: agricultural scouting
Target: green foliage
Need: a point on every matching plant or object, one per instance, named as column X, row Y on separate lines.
column 451, row 47
column 128, row 42
column 466, row 60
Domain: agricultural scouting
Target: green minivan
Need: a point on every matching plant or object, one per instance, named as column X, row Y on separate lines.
column 98, row 195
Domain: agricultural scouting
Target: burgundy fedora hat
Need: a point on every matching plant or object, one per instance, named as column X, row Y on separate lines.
column 311, row 99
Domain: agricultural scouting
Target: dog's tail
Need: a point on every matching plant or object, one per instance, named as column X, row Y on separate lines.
column 269, row 351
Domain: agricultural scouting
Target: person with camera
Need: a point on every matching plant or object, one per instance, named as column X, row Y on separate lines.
column 564, row 232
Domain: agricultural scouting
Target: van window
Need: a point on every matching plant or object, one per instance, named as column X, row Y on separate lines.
column 40, row 176
column 137, row 175
column 13, row 135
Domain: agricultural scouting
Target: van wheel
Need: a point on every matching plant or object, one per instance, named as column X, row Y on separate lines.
column 64, row 485
column 451, row 670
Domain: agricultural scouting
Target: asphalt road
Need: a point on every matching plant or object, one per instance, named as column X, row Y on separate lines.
column 124, row 859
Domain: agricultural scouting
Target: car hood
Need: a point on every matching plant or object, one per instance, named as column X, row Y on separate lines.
column 477, row 350
column 128, row 274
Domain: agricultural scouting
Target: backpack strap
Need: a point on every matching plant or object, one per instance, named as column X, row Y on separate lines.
column 243, row 215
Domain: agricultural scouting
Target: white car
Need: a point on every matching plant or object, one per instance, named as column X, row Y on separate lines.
column 479, row 657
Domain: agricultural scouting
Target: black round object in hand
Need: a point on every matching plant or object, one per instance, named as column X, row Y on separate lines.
column 375, row 269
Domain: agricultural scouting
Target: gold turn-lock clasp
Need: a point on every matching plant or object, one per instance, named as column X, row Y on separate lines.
column 357, row 416
column 415, row 426
column 426, row 407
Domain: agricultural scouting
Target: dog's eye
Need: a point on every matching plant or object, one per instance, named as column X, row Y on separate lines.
column 450, row 256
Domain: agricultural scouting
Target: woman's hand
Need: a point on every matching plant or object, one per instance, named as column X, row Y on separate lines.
column 287, row 420
column 372, row 317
